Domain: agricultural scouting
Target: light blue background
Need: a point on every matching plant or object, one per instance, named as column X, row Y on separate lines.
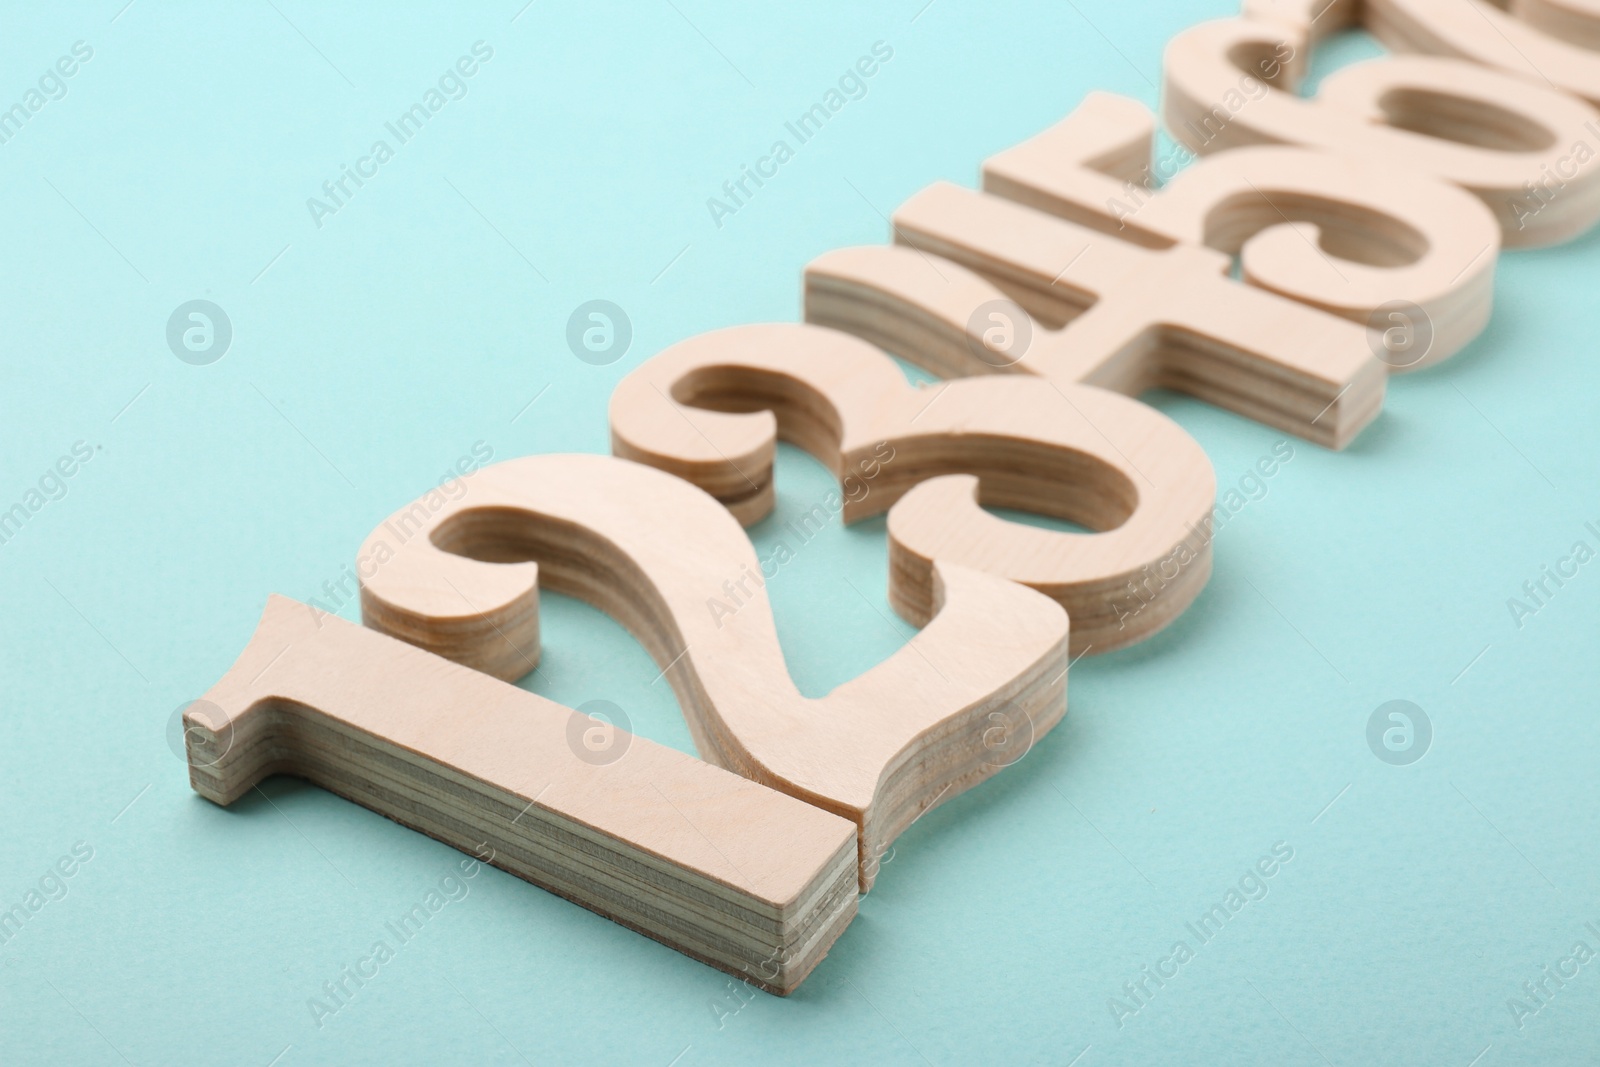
column 370, row 354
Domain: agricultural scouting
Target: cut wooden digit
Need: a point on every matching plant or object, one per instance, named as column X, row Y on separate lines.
column 1229, row 84
column 1551, row 42
column 710, row 410
column 1355, row 237
column 1575, row 21
column 672, row 565
column 722, row 869
column 1135, row 319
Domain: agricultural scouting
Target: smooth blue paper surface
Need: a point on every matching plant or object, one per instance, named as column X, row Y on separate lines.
column 375, row 345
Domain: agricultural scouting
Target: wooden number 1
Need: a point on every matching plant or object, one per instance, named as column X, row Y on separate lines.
column 721, row 868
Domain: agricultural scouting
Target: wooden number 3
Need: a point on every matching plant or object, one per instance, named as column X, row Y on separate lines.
column 712, row 408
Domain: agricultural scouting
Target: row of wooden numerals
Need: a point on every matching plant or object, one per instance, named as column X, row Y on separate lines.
column 1366, row 221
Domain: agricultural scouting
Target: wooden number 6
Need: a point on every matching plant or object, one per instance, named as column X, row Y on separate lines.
column 1550, row 41
column 1228, row 84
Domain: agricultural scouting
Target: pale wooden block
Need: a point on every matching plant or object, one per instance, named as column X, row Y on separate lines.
column 1574, row 21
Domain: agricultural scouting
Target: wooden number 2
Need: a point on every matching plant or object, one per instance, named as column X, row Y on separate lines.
column 958, row 703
